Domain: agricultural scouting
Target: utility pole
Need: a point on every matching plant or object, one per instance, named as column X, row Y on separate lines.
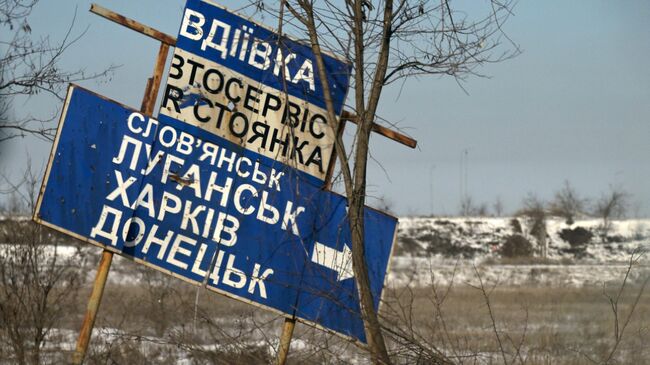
column 431, row 168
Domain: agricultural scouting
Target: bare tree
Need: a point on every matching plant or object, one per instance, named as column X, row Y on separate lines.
column 497, row 206
column 387, row 42
column 36, row 282
column 30, row 66
column 621, row 322
column 567, row 203
column 482, row 210
column 534, row 211
column 611, row 205
column 467, row 206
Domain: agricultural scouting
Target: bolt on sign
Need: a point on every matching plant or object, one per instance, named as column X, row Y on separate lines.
column 245, row 83
column 196, row 206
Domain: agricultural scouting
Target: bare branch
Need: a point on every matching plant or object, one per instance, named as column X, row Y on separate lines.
column 31, row 67
column 486, row 298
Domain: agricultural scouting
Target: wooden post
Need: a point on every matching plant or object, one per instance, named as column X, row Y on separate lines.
column 93, row 307
column 157, row 77
column 285, row 339
column 290, row 323
column 148, row 104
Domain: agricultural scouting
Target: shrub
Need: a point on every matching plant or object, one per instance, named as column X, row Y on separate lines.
column 444, row 222
column 516, row 246
column 443, row 245
column 516, row 226
column 577, row 236
column 405, row 245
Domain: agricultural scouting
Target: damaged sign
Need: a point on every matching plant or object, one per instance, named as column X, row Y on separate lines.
column 197, row 206
column 245, row 83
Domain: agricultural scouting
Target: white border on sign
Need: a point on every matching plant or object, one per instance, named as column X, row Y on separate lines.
column 46, row 177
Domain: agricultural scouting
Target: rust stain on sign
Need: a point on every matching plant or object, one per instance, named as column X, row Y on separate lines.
column 132, row 24
column 180, row 180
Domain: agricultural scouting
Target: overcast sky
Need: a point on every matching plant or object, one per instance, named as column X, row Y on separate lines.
column 575, row 105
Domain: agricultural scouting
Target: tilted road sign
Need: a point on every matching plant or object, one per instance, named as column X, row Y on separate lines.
column 245, row 83
column 196, row 206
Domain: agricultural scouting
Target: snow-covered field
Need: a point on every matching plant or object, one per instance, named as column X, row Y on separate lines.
column 481, row 238
column 421, row 272
column 150, row 315
column 446, row 249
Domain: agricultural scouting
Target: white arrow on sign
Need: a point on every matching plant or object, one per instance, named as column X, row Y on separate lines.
column 339, row 261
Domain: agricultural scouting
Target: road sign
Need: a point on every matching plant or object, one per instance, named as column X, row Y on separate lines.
column 199, row 207
column 245, row 83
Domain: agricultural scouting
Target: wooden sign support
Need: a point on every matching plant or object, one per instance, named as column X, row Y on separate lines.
column 148, row 104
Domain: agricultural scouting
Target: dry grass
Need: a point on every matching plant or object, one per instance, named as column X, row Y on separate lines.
column 159, row 322
column 536, row 325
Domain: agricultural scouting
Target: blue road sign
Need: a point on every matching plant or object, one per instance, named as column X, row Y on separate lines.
column 199, row 207
column 245, row 83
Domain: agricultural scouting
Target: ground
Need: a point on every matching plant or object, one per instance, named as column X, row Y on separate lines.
column 450, row 290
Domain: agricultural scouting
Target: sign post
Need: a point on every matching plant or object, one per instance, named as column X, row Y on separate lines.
column 290, row 322
column 217, row 206
column 93, row 306
column 148, row 104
